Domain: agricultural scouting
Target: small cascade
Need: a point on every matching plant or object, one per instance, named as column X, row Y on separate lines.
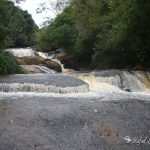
column 59, row 62
column 43, row 55
column 37, row 69
column 132, row 81
column 145, row 77
column 42, row 83
column 21, row 52
column 115, row 80
column 51, row 57
column 64, row 70
column 111, row 80
column 100, row 83
column 24, row 52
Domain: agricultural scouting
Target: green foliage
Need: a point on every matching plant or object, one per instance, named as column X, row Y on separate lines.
column 61, row 33
column 114, row 32
column 43, row 41
column 8, row 64
column 17, row 27
column 106, row 33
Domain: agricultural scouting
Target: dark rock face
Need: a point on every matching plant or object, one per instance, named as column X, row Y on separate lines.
column 68, row 60
column 37, row 60
column 72, row 124
column 53, row 65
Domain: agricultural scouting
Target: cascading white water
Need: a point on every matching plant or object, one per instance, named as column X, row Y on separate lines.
column 43, row 55
column 51, row 57
column 114, row 80
column 24, row 52
column 59, row 62
column 135, row 81
column 21, row 52
column 49, row 83
column 37, row 69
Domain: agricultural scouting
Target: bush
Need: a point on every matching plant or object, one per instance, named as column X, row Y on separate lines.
column 8, row 64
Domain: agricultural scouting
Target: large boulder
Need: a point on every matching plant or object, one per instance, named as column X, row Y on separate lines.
column 29, row 60
column 37, row 60
column 53, row 65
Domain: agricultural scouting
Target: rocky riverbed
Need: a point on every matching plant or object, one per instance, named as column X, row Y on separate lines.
column 103, row 110
column 63, row 123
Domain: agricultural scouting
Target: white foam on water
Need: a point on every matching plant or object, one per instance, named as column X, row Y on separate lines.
column 43, row 55
column 59, row 62
column 51, row 57
column 91, row 96
column 21, row 52
column 135, row 81
column 34, row 94
column 103, row 84
column 110, row 85
column 37, row 69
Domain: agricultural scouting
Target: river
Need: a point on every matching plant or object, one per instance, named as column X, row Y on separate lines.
column 98, row 110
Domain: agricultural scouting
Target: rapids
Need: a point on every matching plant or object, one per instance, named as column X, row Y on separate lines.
column 37, row 69
column 76, row 110
column 21, row 52
column 116, row 80
column 99, row 81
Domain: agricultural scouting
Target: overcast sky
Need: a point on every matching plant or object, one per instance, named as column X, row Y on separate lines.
column 32, row 5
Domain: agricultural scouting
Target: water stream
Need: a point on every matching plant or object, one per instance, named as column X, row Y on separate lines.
column 116, row 80
column 99, row 81
column 21, row 52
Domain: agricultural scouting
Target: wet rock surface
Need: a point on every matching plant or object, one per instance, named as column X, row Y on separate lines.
column 37, row 60
column 46, row 79
column 72, row 124
column 42, row 83
column 30, row 60
column 53, row 65
column 34, row 69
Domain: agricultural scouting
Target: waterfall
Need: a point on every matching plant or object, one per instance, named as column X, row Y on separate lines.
column 21, row 52
column 42, row 83
column 51, row 57
column 37, row 69
column 115, row 80
column 112, row 80
column 59, row 62
column 64, row 70
column 43, row 55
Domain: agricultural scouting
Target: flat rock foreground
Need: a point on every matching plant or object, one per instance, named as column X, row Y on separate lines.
column 65, row 123
column 56, row 112
column 48, row 83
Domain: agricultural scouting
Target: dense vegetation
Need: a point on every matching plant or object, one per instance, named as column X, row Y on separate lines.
column 8, row 64
column 17, row 29
column 104, row 33
column 61, row 33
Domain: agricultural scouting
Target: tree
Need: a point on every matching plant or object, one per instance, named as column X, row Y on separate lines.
column 61, row 33
column 110, row 30
column 17, row 27
column 103, row 32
